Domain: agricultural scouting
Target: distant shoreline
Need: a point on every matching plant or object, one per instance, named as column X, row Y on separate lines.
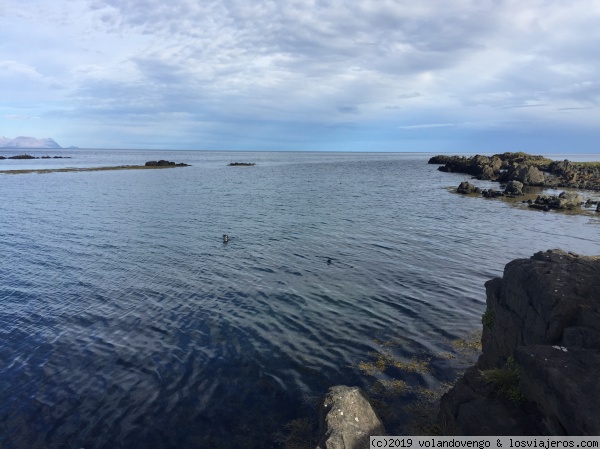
column 84, row 169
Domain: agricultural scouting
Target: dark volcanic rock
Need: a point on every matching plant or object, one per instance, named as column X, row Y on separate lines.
column 566, row 200
column 563, row 382
column 22, row 156
column 163, row 163
column 514, row 188
column 527, row 174
column 346, row 419
column 440, row 159
column 491, row 193
column 544, row 313
column 472, row 407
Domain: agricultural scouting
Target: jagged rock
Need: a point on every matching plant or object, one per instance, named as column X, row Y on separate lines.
column 347, row 420
column 545, row 314
column 514, row 188
column 466, row 188
column 536, row 300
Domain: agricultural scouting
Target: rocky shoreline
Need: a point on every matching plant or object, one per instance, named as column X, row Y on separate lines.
column 521, row 173
column 538, row 371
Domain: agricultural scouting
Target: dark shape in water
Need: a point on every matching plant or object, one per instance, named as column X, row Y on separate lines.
column 225, row 238
column 241, row 164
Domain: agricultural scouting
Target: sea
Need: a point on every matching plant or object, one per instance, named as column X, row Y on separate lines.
column 127, row 322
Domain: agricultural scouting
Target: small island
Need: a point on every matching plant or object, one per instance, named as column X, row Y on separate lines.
column 241, row 164
column 28, row 156
column 149, row 165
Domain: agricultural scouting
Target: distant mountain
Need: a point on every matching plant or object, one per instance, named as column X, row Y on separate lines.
column 27, row 142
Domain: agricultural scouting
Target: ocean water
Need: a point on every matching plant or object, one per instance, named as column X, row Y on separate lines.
column 126, row 322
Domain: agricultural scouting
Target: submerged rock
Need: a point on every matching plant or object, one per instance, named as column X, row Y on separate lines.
column 347, row 420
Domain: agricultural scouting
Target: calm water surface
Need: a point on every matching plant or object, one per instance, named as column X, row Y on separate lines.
column 125, row 322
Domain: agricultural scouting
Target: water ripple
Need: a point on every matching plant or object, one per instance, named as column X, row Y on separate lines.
column 127, row 323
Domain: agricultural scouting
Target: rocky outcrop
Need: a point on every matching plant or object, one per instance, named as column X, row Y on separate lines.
column 347, row 420
column 163, row 163
column 541, row 353
column 528, row 169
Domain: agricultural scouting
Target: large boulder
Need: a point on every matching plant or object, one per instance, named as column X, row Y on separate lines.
column 566, row 200
column 347, row 420
column 514, row 188
column 488, row 173
column 466, row 188
column 529, row 175
column 570, row 200
column 542, row 320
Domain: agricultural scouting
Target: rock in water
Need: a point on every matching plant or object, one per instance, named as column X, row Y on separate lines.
column 570, row 200
column 347, row 420
column 466, row 188
column 514, row 188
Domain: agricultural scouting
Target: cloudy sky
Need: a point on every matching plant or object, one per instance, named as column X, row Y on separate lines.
column 360, row 75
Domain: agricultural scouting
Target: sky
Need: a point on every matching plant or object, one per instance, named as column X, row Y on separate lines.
column 321, row 75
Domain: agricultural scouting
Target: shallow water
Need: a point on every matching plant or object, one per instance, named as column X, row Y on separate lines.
column 126, row 322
